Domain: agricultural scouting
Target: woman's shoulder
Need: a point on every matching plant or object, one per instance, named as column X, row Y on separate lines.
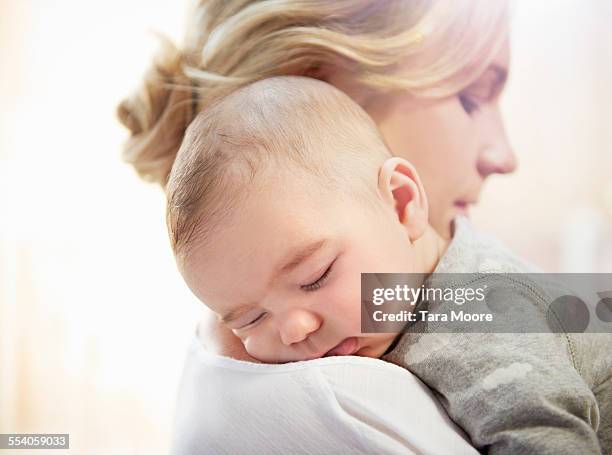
column 474, row 251
column 343, row 404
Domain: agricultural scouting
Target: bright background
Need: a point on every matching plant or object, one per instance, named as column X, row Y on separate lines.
column 94, row 319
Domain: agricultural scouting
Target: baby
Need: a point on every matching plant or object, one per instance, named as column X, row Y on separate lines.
column 283, row 193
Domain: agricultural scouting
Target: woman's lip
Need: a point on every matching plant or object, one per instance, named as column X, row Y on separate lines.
column 348, row 346
column 463, row 206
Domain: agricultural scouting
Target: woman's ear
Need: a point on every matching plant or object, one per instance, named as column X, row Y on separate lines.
column 400, row 186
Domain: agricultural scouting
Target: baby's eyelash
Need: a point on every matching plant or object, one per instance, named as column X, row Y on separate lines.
column 307, row 287
column 254, row 320
column 320, row 281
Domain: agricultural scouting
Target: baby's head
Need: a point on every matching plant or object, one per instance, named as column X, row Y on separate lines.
column 281, row 194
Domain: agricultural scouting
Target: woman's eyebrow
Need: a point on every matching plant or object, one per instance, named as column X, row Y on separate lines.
column 501, row 75
column 492, row 80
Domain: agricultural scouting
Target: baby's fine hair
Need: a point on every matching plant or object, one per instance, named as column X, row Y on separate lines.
column 288, row 126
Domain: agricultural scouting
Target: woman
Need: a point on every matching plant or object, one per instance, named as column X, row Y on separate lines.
column 429, row 73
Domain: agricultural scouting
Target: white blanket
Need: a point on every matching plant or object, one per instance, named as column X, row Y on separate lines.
column 332, row 405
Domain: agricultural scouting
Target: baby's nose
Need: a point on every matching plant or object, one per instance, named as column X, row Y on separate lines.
column 297, row 325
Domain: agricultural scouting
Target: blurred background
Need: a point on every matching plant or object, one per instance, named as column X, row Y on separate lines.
column 94, row 318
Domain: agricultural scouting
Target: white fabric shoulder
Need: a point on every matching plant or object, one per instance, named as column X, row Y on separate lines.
column 331, row 405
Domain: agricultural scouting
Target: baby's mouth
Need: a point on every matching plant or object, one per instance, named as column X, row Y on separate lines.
column 348, row 346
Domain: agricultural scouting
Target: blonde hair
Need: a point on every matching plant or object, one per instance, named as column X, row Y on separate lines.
column 432, row 48
column 269, row 133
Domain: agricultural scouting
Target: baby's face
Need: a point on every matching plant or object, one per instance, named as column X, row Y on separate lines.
column 283, row 271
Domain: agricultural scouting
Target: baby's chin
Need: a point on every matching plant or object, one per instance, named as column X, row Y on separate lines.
column 290, row 359
column 371, row 352
column 278, row 361
column 374, row 350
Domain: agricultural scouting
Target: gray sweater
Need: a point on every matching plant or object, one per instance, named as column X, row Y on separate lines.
column 527, row 393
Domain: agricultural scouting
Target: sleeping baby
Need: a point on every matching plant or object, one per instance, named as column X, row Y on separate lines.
column 283, row 193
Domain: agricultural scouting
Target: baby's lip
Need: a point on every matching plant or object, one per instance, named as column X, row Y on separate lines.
column 348, row 346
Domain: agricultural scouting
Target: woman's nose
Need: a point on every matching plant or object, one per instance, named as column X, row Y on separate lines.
column 496, row 159
column 297, row 325
column 496, row 155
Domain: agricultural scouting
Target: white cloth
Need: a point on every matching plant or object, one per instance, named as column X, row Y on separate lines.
column 332, row 405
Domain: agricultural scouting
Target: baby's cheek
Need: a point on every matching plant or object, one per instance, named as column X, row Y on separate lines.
column 251, row 345
column 259, row 346
column 345, row 308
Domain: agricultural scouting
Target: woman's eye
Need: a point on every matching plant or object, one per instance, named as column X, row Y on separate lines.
column 469, row 105
column 319, row 281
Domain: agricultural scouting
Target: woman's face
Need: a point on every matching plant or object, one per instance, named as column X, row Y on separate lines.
column 455, row 143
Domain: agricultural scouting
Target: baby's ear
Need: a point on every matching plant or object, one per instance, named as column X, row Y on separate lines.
column 400, row 186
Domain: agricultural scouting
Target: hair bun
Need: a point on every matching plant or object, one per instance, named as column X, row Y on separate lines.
column 157, row 115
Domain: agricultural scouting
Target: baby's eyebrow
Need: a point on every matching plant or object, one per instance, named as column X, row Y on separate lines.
column 236, row 313
column 299, row 255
